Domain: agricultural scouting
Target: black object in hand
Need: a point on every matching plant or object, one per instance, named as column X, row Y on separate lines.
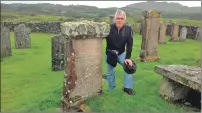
column 130, row 69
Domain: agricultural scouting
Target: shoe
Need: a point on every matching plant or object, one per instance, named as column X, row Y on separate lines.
column 129, row 91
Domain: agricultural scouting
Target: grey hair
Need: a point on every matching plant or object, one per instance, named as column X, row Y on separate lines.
column 120, row 12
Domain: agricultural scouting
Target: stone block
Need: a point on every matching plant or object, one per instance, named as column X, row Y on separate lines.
column 83, row 61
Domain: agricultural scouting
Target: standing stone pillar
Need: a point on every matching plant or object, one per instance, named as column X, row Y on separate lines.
column 199, row 63
column 150, row 29
column 162, row 32
column 5, row 42
column 142, row 25
column 58, row 48
column 183, row 34
column 199, row 34
column 174, row 32
column 22, row 37
column 83, row 62
column 136, row 28
column 111, row 17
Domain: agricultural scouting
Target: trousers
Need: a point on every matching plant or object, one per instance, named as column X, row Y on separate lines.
column 128, row 78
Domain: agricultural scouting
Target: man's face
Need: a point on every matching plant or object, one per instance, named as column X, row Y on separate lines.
column 119, row 20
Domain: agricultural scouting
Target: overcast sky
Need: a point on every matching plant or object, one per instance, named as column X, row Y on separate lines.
column 102, row 4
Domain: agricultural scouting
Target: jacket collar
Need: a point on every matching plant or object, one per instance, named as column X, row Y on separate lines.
column 117, row 28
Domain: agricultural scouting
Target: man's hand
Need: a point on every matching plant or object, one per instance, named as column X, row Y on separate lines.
column 128, row 61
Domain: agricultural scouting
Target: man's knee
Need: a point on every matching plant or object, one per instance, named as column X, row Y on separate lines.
column 121, row 58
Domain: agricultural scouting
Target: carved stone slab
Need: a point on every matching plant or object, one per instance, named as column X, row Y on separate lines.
column 22, row 37
column 58, row 48
column 174, row 33
column 111, row 18
column 162, row 32
column 189, row 76
column 199, row 34
column 150, row 29
column 183, row 34
column 83, row 62
column 136, row 28
column 5, row 42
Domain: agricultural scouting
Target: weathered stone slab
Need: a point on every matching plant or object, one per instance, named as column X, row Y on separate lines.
column 83, row 62
column 199, row 63
column 183, row 34
column 58, row 48
column 142, row 25
column 136, row 28
column 189, row 76
column 178, row 80
column 111, row 17
column 199, row 34
column 174, row 32
column 162, row 32
column 149, row 46
column 22, row 37
column 84, row 28
column 5, row 42
column 171, row 90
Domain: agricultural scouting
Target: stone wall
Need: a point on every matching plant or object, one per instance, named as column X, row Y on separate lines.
column 45, row 27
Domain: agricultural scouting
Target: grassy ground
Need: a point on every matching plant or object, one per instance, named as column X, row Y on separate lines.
column 28, row 84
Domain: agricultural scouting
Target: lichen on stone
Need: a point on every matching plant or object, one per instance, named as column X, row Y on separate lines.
column 85, row 28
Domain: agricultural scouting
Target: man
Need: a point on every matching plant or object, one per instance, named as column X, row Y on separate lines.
column 119, row 38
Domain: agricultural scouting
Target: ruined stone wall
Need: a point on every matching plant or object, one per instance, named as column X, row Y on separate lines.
column 45, row 27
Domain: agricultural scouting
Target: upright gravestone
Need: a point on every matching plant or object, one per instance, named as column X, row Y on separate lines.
column 199, row 63
column 199, row 34
column 183, row 34
column 142, row 25
column 136, row 28
column 83, row 62
column 58, row 48
column 162, row 32
column 111, row 17
column 22, row 37
column 5, row 42
column 174, row 32
column 149, row 50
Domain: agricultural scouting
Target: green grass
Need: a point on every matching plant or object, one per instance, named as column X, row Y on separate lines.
column 28, row 84
column 182, row 21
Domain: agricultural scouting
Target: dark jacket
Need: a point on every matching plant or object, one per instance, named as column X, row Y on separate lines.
column 119, row 40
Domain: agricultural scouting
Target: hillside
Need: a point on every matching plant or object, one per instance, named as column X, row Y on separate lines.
column 164, row 6
column 168, row 10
